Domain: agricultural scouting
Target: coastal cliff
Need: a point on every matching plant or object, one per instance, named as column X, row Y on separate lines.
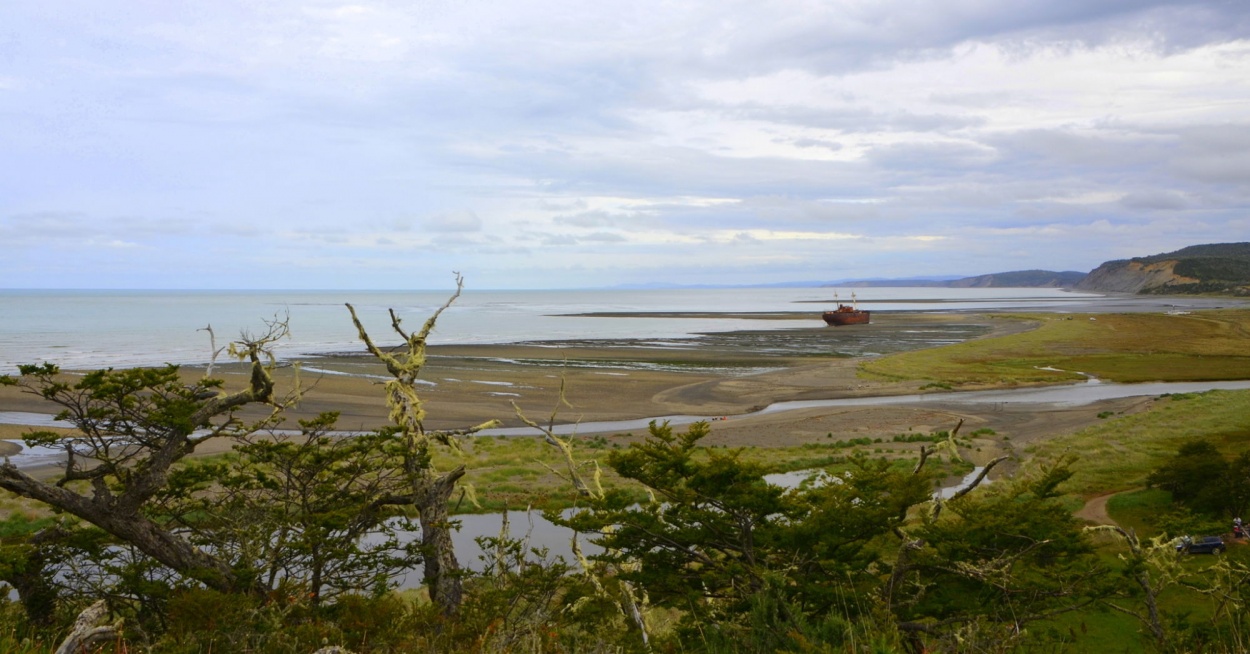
column 1215, row 268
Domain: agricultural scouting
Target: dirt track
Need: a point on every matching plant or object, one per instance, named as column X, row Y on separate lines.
column 1095, row 510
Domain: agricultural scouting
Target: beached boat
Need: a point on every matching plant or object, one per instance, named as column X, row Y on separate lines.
column 845, row 315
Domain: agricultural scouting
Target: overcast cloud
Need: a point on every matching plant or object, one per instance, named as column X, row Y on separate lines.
column 552, row 144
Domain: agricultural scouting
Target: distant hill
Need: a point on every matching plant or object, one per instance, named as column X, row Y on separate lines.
column 1015, row 279
column 1215, row 268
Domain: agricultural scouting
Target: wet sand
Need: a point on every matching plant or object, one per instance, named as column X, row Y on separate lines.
column 725, row 377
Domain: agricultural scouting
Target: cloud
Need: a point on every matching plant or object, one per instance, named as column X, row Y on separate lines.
column 1156, row 200
column 817, row 143
column 462, row 220
column 618, row 140
column 595, row 219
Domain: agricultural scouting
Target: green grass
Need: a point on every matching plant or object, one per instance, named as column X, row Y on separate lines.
column 1118, row 453
column 1098, row 629
column 20, row 524
column 524, row 471
column 1138, row 509
column 1118, row 347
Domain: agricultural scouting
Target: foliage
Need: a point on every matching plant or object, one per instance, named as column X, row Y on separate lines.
column 310, row 510
column 1009, row 555
column 131, row 427
column 1203, row 481
column 718, row 539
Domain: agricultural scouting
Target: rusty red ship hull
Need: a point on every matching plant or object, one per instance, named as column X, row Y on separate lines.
column 846, row 316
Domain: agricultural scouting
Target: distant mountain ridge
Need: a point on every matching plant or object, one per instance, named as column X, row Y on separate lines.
column 1211, row 268
column 1013, row 279
column 1215, row 268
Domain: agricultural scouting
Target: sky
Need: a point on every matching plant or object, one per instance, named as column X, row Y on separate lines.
column 557, row 144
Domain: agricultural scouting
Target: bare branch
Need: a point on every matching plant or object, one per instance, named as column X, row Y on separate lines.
column 212, row 346
column 979, row 478
column 564, row 446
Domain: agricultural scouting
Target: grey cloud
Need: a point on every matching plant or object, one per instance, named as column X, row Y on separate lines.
column 656, row 171
column 457, row 240
column 980, row 99
column 560, row 240
column 1225, row 169
column 817, row 143
column 1156, row 200
column 562, row 205
column 557, row 239
column 1214, row 154
column 1069, row 147
column 854, row 120
column 839, row 40
column 934, row 158
column 604, row 237
column 462, row 220
column 73, row 226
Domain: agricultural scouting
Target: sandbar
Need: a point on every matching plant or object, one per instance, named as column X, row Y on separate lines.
column 725, row 377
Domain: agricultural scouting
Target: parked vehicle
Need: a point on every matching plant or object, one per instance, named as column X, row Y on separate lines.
column 1201, row 545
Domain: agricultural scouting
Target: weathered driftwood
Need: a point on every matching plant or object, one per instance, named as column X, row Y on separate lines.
column 87, row 630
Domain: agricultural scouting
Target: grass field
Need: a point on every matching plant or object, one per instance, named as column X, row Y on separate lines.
column 1133, row 347
column 1117, row 454
column 515, row 472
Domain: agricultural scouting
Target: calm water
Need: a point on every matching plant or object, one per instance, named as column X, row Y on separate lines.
column 85, row 329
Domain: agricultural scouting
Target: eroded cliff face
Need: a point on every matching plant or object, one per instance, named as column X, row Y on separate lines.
column 1133, row 277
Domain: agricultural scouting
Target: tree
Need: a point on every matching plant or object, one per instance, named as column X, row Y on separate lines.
column 1007, row 556
column 131, row 427
column 1152, row 566
column 429, row 490
column 1200, row 479
column 1236, row 495
column 311, row 509
column 719, row 536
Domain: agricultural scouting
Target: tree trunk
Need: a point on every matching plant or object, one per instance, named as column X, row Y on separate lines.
column 442, row 570
column 170, row 550
column 129, row 526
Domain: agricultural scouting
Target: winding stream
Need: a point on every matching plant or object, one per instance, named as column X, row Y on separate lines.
column 1087, row 392
column 541, row 533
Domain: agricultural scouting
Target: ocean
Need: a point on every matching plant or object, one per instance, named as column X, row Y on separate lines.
column 97, row 328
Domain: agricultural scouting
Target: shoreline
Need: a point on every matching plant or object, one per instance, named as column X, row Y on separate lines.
column 719, row 374
column 726, row 376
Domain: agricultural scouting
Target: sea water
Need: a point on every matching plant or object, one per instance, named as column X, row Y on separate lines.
column 99, row 328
